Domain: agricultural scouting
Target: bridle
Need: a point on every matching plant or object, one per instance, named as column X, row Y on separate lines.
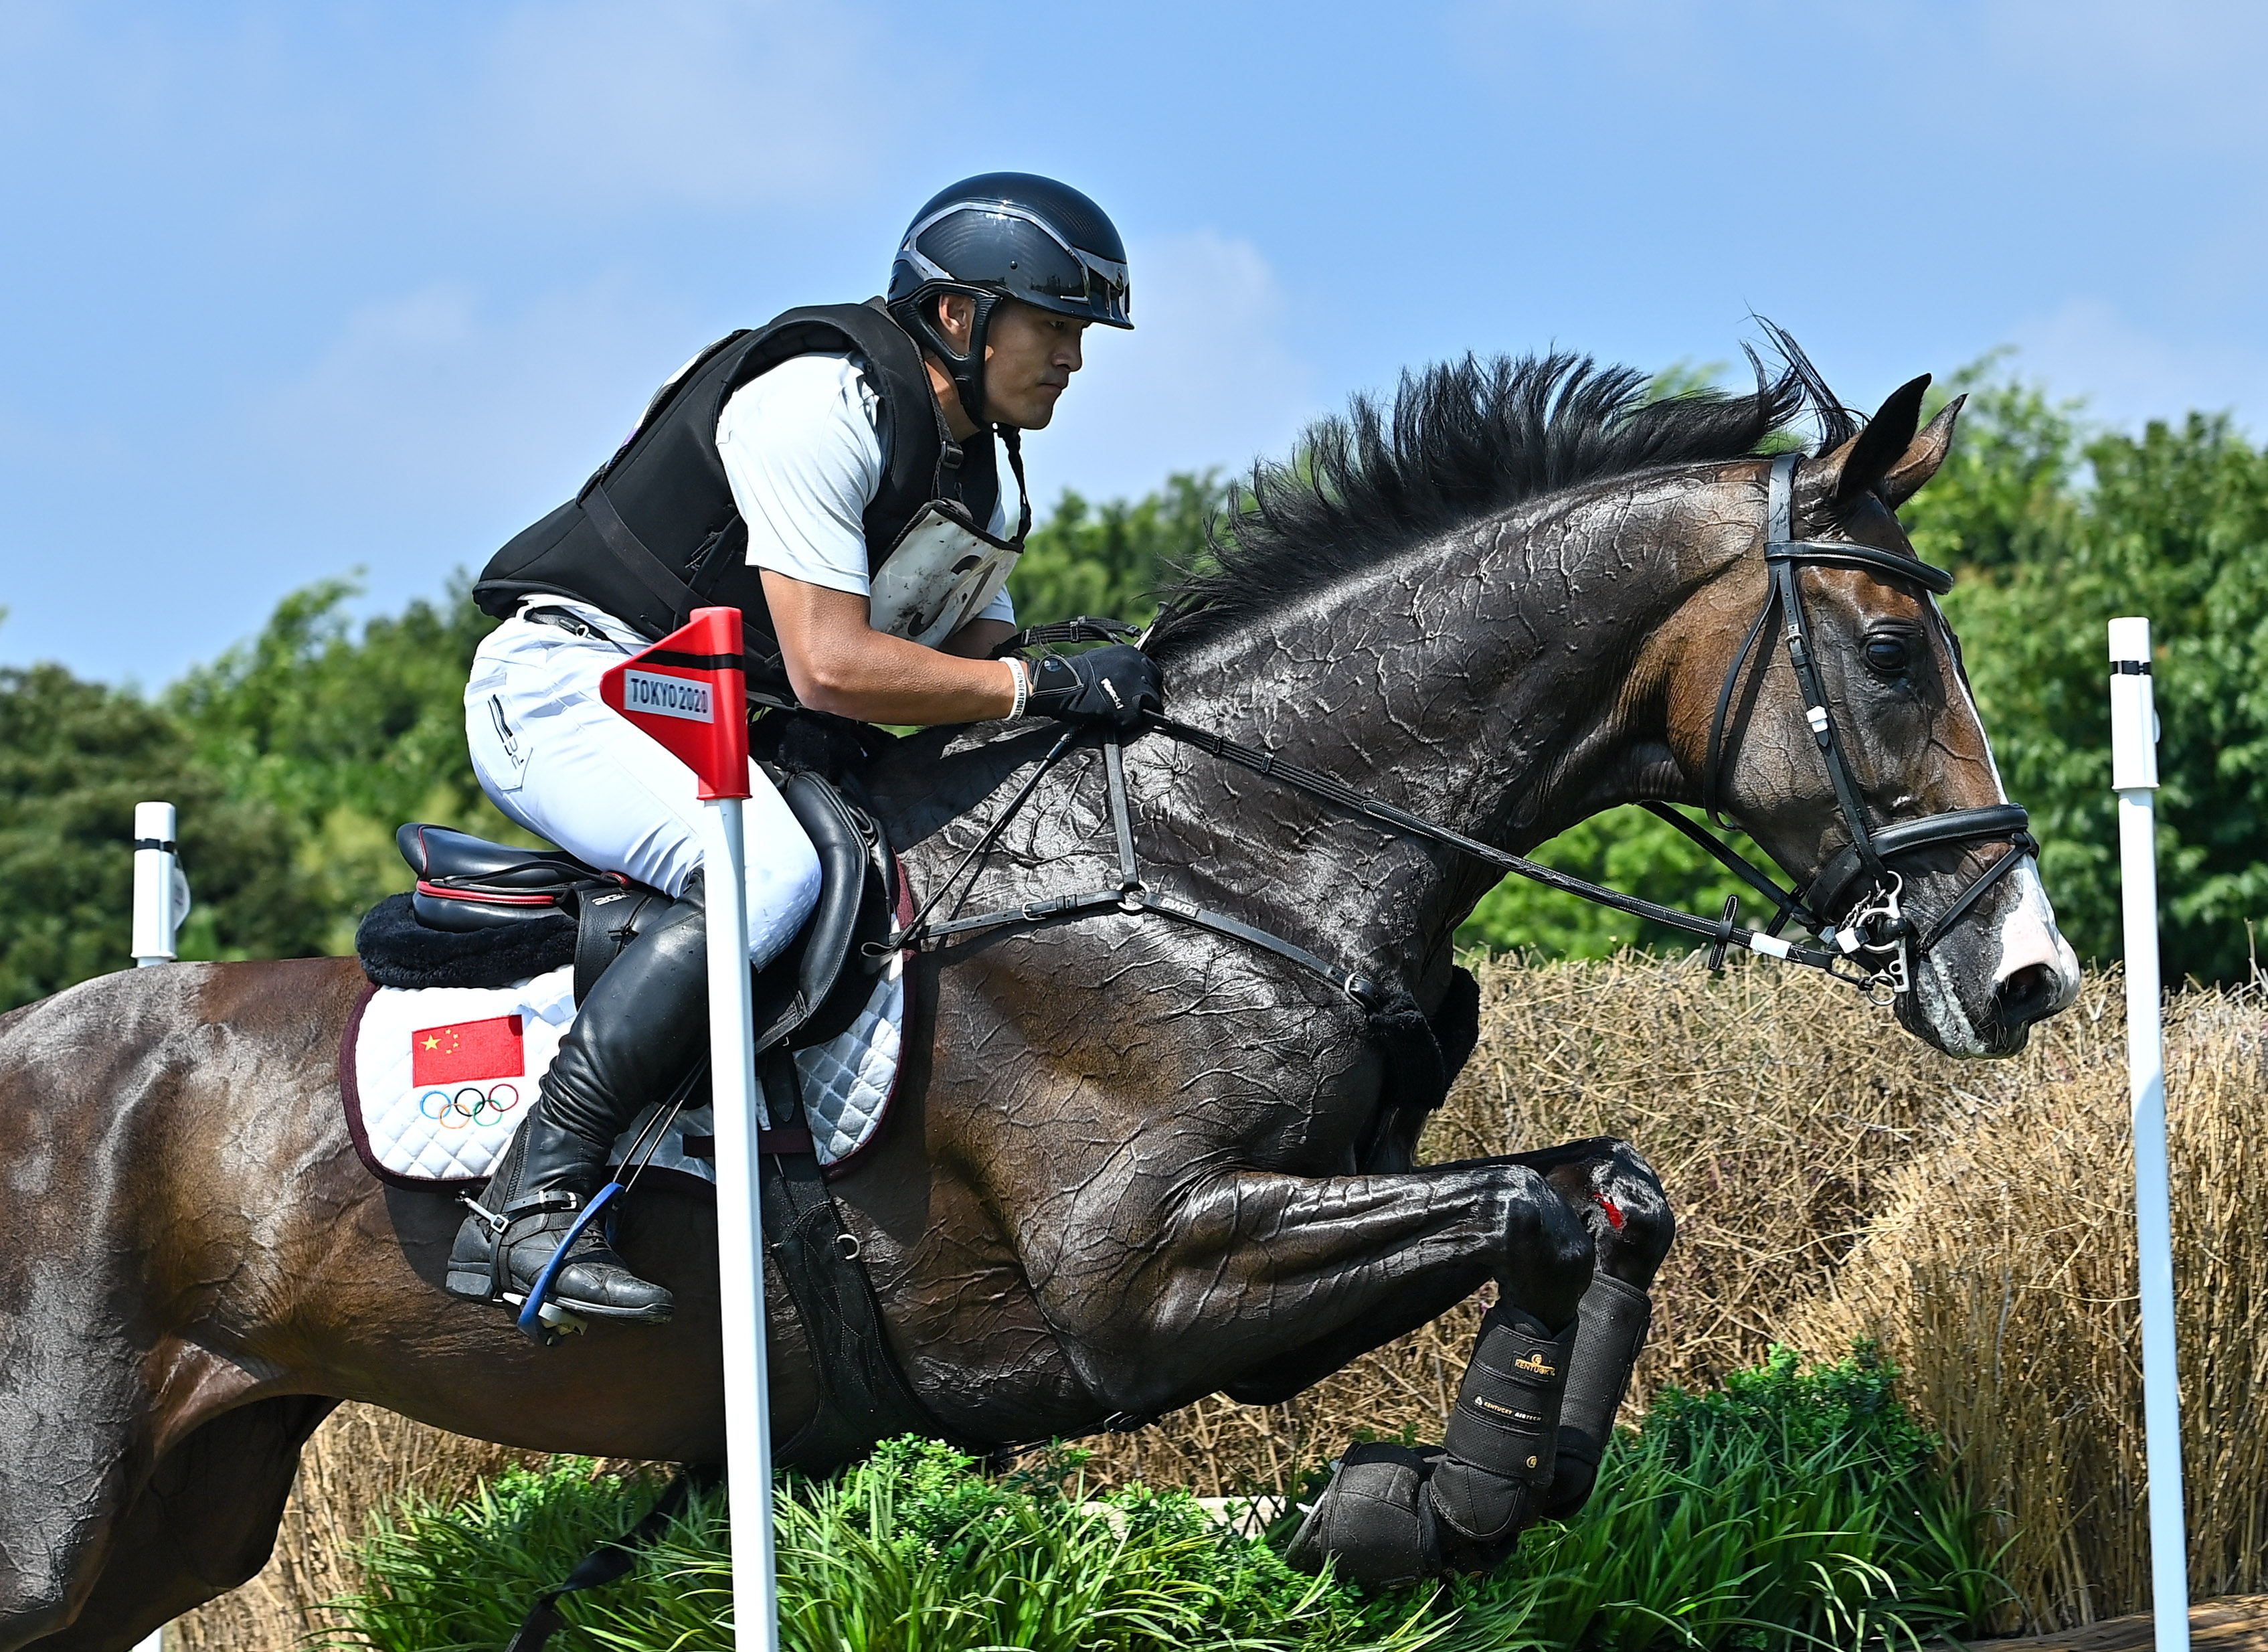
column 1873, row 926
column 1869, row 942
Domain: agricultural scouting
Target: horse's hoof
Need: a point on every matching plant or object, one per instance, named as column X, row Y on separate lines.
column 1373, row 1519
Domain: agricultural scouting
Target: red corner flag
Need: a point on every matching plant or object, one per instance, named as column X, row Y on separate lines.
column 691, row 692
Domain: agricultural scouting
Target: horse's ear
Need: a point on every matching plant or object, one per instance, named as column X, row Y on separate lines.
column 1860, row 463
column 1923, row 456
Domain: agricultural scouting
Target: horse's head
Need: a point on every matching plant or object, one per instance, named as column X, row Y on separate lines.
column 1843, row 736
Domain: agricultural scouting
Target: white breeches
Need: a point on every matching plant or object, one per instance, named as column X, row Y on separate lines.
column 557, row 761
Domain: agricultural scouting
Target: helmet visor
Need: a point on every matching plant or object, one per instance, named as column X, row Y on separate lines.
column 1100, row 292
column 1016, row 253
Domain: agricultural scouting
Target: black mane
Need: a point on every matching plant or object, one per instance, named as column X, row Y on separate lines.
column 1464, row 440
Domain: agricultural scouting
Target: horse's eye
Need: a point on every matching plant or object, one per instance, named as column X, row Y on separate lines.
column 1887, row 654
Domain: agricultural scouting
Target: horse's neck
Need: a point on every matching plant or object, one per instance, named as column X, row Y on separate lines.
column 1483, row 680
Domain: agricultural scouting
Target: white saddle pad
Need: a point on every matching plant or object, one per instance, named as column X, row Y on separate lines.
column 437, row 1080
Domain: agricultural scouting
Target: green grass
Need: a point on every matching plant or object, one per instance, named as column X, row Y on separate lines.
column 1792, row 1508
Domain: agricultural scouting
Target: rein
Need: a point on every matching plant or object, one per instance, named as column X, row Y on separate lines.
column 1874, row 927
column 1130, row 895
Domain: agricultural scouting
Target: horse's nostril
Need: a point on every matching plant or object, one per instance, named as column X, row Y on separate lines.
column 2025, row 994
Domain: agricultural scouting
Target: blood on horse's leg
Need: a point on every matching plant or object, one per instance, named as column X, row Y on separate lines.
column 204, row 1523
column 1633, row 1228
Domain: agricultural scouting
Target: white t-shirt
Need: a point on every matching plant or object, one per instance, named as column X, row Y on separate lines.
column 803, row 451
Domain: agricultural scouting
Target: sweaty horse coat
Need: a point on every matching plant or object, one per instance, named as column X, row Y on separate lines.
column 1134, row 1163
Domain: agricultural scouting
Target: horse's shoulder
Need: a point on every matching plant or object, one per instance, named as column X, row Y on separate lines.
column 926, row 781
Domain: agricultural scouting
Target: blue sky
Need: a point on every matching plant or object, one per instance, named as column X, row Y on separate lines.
column 294, row 289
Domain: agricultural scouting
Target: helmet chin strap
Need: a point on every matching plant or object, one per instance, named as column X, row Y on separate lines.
column 969, row 371
column 966, row 368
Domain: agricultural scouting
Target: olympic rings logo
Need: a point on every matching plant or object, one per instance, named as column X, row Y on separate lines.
column 470, row 1105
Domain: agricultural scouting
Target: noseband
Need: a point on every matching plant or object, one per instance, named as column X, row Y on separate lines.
column 1875, row 925
column 1871, row 943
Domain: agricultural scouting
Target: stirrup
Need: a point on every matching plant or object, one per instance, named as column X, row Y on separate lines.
column 541, row 1321
column 547, row 1322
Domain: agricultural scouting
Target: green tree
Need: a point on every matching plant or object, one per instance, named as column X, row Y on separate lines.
column 346, row 736
column 1625, row 849
column 75, row 758
column 1110, row 559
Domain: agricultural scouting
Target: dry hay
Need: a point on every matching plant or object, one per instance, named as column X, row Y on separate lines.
column 1833, row 1178
column 2001, row 1276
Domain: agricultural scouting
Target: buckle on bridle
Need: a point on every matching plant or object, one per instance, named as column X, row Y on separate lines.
column 1880, row 928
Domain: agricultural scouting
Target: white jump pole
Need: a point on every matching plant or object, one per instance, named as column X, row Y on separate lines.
column 689, row 693
column 159, row 891
column 739, row 1232
column 2134, row 777
column 158, row 912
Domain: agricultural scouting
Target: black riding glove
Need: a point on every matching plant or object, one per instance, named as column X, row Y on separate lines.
column 1113, row 686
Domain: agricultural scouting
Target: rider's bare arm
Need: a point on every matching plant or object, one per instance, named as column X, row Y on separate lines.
column 978, row 639
column 839, row 663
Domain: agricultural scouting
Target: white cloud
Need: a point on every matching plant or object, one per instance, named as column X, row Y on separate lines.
column 2130, row 374
column 1207, row 377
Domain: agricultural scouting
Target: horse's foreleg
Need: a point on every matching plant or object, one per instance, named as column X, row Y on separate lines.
column 1246, row 1267
column 72, row 1409
column 1616, row 1193
column 1633, row 1228
column 204, row 1523
column 1245, row 1259
column 1395, row 1513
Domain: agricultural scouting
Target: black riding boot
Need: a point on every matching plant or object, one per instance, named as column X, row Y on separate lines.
column 637, row 1034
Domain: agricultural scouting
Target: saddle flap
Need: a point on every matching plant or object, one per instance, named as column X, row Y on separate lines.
column 813, row 992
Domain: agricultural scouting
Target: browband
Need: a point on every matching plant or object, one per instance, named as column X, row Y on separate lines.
column 1890, row 564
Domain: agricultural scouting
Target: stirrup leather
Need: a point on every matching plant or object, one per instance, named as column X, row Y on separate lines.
column 519, row 1221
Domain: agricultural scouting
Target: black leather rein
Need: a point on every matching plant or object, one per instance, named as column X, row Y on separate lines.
column 1872, row 925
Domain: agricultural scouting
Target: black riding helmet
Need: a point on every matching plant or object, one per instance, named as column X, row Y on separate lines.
column 1006, row 235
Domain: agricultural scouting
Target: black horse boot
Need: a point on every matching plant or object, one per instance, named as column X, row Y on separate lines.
column 1615, row 1318
column 639, row 1032
column 1503, row 1440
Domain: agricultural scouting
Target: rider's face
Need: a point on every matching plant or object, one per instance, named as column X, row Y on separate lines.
column 1029, row 356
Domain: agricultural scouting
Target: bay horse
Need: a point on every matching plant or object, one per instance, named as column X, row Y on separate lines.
column 1131, row 1162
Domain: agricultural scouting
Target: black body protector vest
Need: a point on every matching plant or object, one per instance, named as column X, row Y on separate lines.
column 656, row 534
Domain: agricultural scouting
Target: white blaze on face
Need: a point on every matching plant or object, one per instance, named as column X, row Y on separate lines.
column 2029, row 938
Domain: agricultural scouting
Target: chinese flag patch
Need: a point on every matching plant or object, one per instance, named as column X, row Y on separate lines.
column 487, row 1049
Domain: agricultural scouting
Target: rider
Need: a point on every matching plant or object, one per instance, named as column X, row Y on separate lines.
column 833, row 475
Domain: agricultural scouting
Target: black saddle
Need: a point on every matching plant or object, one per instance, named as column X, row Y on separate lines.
column 486, row 914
